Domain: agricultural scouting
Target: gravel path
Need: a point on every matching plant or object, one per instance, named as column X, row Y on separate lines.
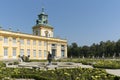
column 110, row 71
column 113, row 71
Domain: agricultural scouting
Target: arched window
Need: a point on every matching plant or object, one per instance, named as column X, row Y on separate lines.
column 46, row 33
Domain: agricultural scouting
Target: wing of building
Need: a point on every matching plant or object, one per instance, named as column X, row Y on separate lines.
column 36, row 45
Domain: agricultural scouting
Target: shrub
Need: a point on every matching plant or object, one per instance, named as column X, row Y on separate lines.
column 10, row 63
column 2, row 64
column 36, row 60
column 16, row 63
column 29, row 76
column 107, row 64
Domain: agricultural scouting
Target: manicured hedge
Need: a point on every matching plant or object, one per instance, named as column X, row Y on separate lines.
column 65, row 74
column 29, row 76
column 97, row 63
column 2, row 64
column 58, row 74
column 107, row 64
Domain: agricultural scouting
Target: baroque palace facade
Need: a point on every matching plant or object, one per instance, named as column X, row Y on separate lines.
column 36, row 45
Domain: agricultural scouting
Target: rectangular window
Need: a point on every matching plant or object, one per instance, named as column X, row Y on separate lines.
column 40, row 43
column 28, row 42
column 40, row 53
column 54, row 46
column 22, row 41
column 45, row 43
column 62, row 47
column 5, row 51
column 45, row 53
column 14, row 40
column 14, row 51
column 34, row 42
column 28, row 52
column 62, row 53
column 6, row 40
column 21, row 52
column 34, row 53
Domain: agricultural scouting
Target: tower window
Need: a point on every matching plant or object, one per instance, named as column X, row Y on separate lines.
column 46, row 33
column 44, row 22
column 36, row 32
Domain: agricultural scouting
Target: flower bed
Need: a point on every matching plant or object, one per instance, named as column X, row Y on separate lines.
column 58, row 74
column 98, row 63
column 107, row 64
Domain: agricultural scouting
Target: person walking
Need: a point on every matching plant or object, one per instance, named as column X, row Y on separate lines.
column 49, row 58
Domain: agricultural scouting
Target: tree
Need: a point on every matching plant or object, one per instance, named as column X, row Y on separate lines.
column 73, row 50
column 106, row 49
column 117, row 47
column 85, row 51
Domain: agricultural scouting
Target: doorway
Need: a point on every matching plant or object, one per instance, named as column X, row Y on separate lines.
column 53, row 53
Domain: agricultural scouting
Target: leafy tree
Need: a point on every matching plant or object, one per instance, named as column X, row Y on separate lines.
column 102, row 49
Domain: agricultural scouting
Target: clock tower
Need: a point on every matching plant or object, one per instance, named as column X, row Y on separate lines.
column 42, row 28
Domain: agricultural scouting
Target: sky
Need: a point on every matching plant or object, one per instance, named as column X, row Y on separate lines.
column 82, row 21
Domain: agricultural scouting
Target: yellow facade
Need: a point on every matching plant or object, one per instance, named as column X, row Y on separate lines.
column 36, row 45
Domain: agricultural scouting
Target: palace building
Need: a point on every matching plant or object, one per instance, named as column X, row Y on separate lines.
column 36, row 45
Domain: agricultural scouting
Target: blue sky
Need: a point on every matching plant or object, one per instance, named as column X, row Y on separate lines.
column 82, row 21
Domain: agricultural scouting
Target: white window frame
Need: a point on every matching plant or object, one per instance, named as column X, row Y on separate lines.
column 6, row 40
column 45, row 43
column 5, row 52
column 22, row 41
column 14, row 52
column 21, row 52
column 28, row 52
column 45, row 53
column 34, row 42
column 28, row 42
column 40, row 53
column 40, row 43
column 62, row 53
column 14, row 41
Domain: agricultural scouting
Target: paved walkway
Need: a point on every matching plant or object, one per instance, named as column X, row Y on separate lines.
column 83, row 66
column 110, row 71
column 113, row 71
column 43, row 65
column 24, row 79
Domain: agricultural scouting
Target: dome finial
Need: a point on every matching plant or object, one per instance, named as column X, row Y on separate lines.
column 43, row 10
